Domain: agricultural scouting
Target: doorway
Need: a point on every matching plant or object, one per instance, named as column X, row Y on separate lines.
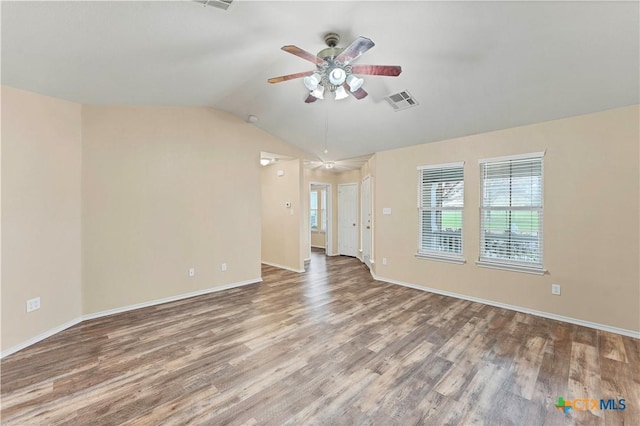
column 320, row 217
column 348, row 219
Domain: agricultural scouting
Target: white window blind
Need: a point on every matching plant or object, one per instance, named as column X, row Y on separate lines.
column 313, row 209
column 440, row 205
column 318, row 210
column 323, row 210
column 512, row 212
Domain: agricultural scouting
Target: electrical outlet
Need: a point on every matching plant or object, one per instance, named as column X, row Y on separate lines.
column 33, row 304
column 223, row 267
column 384, row 260
column 192, row 272
column 555, row 289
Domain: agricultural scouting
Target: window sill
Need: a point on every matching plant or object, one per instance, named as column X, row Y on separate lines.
column 442, row 258
column 536, row 270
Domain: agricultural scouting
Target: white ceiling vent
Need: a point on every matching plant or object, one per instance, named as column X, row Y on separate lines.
column 402, row 100
column 220, row 4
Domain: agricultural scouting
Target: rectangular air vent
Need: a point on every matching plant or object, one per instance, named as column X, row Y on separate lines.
column 220, row 4
column 402, row 100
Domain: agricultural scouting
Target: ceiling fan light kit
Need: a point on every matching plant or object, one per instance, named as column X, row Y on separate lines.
column 318, row 92
column 341, row 93
column 312, row 81
column 334, row 71
column 337, row 76
column 354, row 82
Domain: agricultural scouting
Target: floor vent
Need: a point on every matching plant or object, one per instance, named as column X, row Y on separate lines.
column 220, row 4
column 402, row 100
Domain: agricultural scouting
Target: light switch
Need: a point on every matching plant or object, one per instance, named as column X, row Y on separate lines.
column 386, row 210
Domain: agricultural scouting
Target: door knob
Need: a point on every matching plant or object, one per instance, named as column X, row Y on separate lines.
column 368, row 227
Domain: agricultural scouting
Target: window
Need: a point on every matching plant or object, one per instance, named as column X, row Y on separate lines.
column 323, row 209
column 440, row 205
column 318, row 210
column 511, row 213
column 313, row 210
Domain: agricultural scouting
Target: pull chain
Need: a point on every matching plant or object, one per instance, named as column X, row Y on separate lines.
column 326, row 130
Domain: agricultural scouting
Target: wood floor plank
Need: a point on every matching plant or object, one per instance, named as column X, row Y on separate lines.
column 612, row 347
column 584, row 381
column 329, row 346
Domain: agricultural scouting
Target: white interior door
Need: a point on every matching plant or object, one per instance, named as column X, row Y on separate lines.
column 367, row 223
column 348, row 219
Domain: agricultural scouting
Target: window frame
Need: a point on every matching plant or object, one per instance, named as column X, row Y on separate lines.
column 507, row 264
column 457, row 258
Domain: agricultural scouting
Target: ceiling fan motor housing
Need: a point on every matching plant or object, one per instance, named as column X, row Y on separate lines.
column 331, row 39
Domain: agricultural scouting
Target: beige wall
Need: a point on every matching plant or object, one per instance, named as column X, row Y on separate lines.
column 106, row 207
column 591, row 224
column 166, row 189
column 41, row 213
column 317, row 239
column 282, row 242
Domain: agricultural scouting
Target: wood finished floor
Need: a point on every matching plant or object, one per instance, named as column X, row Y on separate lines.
column 331, row 346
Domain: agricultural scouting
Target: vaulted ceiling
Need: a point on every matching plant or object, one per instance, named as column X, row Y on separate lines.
column 472, row 66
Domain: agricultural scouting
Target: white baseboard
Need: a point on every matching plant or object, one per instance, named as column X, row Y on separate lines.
column 589, row 324
column 275, row 265
column 108, row 312
column 317, row 246
column 168, row 299
column 40, row 337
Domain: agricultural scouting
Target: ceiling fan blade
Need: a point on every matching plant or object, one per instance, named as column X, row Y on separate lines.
column 358, row 94
column 387, row 70
column 289, row 77
column 354, row 50
column 295, row 50
column 310, row 99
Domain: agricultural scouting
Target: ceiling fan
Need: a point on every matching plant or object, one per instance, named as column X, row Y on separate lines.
column 334, row 71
